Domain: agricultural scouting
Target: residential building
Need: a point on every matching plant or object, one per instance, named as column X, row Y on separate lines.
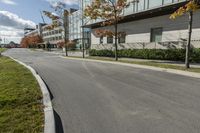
column 147, row 25
column 52, row 36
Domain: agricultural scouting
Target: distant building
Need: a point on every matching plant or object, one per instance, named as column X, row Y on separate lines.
column 10, row 45
column 75, row 32
column 13, row 45
column 49, row 35
column 34, row 31
column 54, row 35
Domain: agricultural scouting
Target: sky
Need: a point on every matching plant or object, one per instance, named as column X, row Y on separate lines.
column 15, row 15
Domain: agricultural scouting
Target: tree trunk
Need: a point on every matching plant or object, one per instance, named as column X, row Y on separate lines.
column 65, row 37
column 187, row 57
column 65, row 24
column 66, row 48
column 83, row 45
column 116, row 48
column 83, row 50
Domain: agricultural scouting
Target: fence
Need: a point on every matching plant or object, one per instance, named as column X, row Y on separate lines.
column 146, row 45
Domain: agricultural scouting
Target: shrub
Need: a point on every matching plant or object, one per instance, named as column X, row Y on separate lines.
column 159, row 54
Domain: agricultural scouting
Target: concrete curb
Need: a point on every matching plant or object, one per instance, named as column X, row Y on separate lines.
column 173, row 71
column 49, row 126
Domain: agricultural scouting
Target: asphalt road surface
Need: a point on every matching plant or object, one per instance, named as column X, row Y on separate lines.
column 90, row 97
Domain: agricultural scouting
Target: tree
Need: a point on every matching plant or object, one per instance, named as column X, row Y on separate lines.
column 61, row 44
column 70, row 44
column 62, row 17
column 24, row 42
column 34, row 40
column 189, row 8
column 111, row 12
column 29, row 41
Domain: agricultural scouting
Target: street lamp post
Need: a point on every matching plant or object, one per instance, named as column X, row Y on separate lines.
column 83, row 45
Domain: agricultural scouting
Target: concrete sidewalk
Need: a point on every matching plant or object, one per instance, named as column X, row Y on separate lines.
column 178, row 63
column 70, row 53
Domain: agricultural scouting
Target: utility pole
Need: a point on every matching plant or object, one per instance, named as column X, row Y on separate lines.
column 188, row 47
column 83, row 45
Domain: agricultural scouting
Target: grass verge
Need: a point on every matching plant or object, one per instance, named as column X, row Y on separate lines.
column 147, row 63
column 21, row 109
column 2, row 50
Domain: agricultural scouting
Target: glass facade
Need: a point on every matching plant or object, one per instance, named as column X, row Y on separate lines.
column 76, row 32
column 142, row 5
column 134, row 6
column 75, row 25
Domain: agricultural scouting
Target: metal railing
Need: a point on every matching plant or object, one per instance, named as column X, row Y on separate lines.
column 148, row 45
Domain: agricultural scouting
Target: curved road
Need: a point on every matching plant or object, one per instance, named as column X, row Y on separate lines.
column 90, row 97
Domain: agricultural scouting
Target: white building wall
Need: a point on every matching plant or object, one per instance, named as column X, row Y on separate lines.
column 53, row 36
column 140, row 31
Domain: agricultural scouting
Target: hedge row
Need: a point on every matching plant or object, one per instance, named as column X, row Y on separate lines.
column 159, row 54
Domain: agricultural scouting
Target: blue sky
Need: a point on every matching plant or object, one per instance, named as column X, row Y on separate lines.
column 17, row 14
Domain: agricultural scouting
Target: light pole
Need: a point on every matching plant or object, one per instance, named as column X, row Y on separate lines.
column 82, row 39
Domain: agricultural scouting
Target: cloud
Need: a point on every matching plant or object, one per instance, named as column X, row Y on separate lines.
column 10, row 32
column 12, row 20
column 9, row 2
column 67, row 2
column 12, row 26
column 71, row 2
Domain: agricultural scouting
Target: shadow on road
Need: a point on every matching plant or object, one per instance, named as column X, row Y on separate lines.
column 51, row 95
column 58, row 123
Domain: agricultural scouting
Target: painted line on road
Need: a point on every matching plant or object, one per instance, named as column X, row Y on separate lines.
column 49, row 126
column 173, row 71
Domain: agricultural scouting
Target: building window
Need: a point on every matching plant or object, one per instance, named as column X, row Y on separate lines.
column 122, row 39
column 101, row 40
column 110, row 39
column 156, row 34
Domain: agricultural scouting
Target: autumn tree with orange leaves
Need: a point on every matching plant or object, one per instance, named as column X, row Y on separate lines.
column 31, row 41
column 189, row 8
column 70, row 44
column 24, row 42
column 111, row 12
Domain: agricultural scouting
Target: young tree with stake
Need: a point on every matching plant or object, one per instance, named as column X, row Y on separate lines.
column 62, row 17
column 189, row 8
column 111, row 12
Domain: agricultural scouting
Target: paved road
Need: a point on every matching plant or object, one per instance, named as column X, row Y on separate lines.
column 91, row 97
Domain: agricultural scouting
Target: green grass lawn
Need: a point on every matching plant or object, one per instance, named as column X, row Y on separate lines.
column 21, row 109
column 2, row 50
